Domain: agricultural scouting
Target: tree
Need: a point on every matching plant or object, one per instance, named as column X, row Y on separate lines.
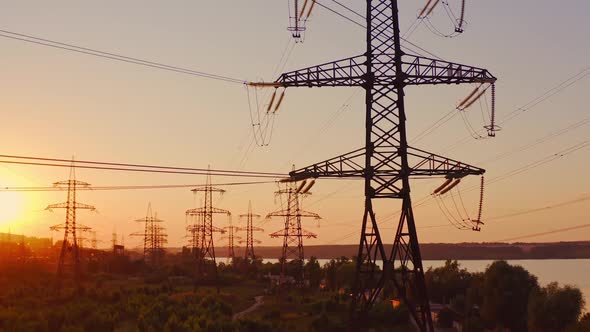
column 554, row 308
column 313, row 271
column 506, row 290
column 446, row 282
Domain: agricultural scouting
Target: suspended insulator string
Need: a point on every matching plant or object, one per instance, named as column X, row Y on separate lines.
column 425, row 8
column 480, row 209
column 461, row 17
column 113, row 56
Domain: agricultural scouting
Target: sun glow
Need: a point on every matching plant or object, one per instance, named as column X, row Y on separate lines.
column 12, row 204
column 11, row 207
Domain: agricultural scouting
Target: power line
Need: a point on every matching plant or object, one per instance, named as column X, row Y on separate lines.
column 129, row 187
column 364, row 27
column 531, row 104
column 140, row 168
column 140, row 165
column 558, row 230
column 113, row 56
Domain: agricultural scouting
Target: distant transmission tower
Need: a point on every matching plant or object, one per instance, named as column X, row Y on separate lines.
column 249, row 255
column 231, row 237
column 70, row 245
column 293, row 233
column 195, row 231
column 154, row 238
column 207, row 245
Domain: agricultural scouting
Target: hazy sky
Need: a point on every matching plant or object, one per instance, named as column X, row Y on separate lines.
column 58, row 104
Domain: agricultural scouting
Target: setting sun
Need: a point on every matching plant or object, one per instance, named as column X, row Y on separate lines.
column 11, row 207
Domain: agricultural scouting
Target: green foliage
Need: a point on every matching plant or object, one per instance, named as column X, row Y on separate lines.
column 554, row 308
column 383, row 314
column 506, row 290
column 254, row 325
column 445, row 318
column 446, row 282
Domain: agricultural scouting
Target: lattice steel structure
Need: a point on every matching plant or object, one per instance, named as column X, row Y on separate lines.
column 231, row 239
column 292, row 233
column 249, row 255
column 154, row 238
column 70, row 244
column 207, row 245
column 195, row 231
column 386, row 162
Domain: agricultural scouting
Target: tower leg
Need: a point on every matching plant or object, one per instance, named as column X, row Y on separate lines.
column 408, row 272
column 369, row 278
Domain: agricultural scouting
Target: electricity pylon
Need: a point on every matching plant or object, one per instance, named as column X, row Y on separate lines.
column 249, row 255
column 386, row 162
column 207, row 248
column 154, row 238
column 70, row 245
column 195, row 231
column 231, row 237
column 293, row 233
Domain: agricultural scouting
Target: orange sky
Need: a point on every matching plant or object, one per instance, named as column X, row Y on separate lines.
column 58, row 104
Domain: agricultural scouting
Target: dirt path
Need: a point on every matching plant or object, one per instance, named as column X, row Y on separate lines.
column 258, row 303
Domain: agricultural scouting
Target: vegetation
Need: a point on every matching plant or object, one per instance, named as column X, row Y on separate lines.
column 118, row 294
column 504, row 297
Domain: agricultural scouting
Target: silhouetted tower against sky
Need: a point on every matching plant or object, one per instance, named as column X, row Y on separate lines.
column 386, row 162
column 293, row 233
column 195, row 230
column 207, row 244
column 231, row 238
column 249, row 255
column 70, row 245
column 154, row 238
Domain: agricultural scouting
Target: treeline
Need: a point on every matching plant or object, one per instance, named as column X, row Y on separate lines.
column 458, row 251
column 504, row 297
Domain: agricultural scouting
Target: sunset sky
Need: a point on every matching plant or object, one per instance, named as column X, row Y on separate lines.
column 60, row 104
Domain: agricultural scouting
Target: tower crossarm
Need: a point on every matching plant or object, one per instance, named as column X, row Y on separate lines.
column 198, row 211
column 419, row 70
column 65, row 205
column 429, row 164
column 307, row 214
column 304, row 233
column 422, row 163
column 345, row 72
column 256, row 229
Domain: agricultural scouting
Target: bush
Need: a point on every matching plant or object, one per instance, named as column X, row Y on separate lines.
column 445, row 318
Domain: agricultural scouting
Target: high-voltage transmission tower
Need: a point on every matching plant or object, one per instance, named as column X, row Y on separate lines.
column 293, row 233
column 249, row 255
column 231, row 239
column 195, row 231
column 386, row 162
column 154, row 238
column 70, row 244
column 207, row 246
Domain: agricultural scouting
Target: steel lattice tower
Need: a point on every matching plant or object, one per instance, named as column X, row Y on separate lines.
column 231, row 237
column 293, row 233
column 207, row 245
column 70, row 244
column 386, row 162
column 249, row 255
column 154, row 238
